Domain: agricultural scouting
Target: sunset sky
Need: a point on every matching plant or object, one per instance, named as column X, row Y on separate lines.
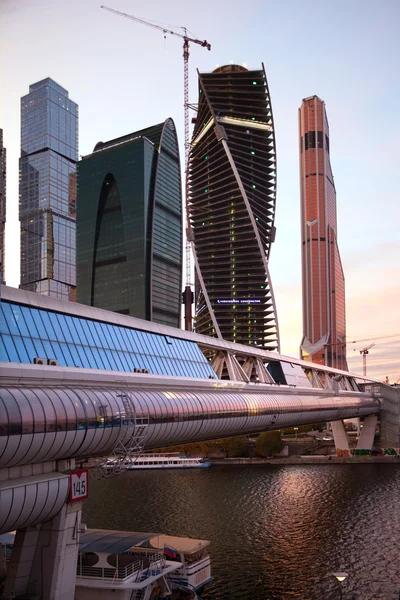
column 126, row 76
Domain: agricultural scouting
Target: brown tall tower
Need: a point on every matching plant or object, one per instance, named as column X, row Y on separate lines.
column 324, row 317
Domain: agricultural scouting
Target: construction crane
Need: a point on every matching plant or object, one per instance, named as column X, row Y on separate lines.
column 364, row 353
column 187, row 295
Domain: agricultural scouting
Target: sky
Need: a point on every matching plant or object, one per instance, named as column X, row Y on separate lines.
column 126, row 76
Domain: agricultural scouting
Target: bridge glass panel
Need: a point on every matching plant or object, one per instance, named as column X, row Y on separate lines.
column 28, row 332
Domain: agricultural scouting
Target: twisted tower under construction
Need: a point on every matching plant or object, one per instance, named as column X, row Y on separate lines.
column 232, row 191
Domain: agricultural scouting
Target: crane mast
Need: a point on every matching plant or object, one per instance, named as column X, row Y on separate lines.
column 188, row 295
column 364, row 353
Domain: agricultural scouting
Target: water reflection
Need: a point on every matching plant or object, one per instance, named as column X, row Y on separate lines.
column 276, row 532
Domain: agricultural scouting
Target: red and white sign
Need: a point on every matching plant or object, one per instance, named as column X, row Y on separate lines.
column 78, row 485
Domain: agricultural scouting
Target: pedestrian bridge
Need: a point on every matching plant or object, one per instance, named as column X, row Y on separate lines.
column 78, row 383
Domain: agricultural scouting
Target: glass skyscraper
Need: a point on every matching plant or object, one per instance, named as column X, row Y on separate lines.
column 324, row 316
column 3, row 157
column 47, row 192
column 129, row 226
column 232, row 179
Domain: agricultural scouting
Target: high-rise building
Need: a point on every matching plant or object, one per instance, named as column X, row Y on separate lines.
column 232, row 179
column 129, row 225
column 324, row 318
column 3, row 160
column 49, row 152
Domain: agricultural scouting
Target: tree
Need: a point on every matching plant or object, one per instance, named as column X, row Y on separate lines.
column 268, row 443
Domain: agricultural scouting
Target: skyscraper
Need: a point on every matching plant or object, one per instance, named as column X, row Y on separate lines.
column 3, row 160
column 129, row 225
column 232, row 178
column 324, row 319
column 49, row 152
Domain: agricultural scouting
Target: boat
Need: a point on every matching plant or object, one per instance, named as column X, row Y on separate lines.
column 126, row 565
column 192, row 554
column 158, row 460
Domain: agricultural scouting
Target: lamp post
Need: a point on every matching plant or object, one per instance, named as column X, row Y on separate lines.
column 340, row 577
column 296, row 430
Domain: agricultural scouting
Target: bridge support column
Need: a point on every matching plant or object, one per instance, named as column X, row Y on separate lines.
column 367, row 434
column 340, row 435
column 44, row 558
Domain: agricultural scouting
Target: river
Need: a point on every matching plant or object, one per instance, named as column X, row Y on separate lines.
column 276, row 532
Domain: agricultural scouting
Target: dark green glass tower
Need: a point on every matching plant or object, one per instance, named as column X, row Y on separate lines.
column 129, row 226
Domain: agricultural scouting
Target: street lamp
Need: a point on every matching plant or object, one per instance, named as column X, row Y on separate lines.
column 296, row 430
column 340, row 577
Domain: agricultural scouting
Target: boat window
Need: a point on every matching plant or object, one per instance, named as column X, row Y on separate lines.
column 89, row 559
column 123, row 559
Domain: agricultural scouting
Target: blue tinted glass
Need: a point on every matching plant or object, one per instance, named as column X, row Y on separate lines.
column 3, row 352
column 129, row 361
column 83, row 358
column 117, row 361
column 96, row 332
column 110, row 343
column 69, row 362
column 29, row 322
column 8, row 319
column 97, row 358
column 148, row 346
column 17, row 310
column 58, row 354
column 65, row 333
column 10, row 348
column 160, row 366
column 80, row 332
column 179, row 367
column 131, row 337
column 137, row 342
column 124, row 339
column 102, row 333
column 56, row 327
column 91, row 359
column 20, row 346
column 3, row 318
column 76, row 361
column 73, row 331
column 48, row 326
column 110, row 360
column 39, row 324
column 122, row 360
column 88, row 335
column 48, row 349
column 105, row 360
column 30, row 348
column 39, row 350
column 114, row 335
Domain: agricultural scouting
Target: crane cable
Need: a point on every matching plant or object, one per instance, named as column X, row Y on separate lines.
column 382, row 337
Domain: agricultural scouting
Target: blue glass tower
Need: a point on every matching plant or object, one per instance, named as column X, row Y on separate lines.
column 47, row 193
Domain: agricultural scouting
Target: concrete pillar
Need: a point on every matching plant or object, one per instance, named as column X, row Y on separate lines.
column 44, row 558
column 19, row 568
column 340, row 435
column 367, row 434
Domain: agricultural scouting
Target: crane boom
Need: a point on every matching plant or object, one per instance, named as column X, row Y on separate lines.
column 186, row 39
column 203, row 43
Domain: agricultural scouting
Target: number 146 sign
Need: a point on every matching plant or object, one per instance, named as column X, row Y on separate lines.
column 78, row 485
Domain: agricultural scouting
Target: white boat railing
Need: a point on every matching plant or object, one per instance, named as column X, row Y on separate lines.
column 110, row 573
column 155, row 563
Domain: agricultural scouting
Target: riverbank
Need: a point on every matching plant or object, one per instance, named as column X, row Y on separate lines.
column 306, row 460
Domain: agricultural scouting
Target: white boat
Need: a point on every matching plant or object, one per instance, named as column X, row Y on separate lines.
column 126, row 565
column 159, row 460
column 192, row 554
